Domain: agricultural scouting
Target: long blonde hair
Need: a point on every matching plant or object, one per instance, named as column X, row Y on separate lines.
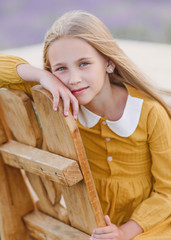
column 86, row 26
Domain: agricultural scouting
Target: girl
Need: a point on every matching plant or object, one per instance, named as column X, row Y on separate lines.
column 124, row 126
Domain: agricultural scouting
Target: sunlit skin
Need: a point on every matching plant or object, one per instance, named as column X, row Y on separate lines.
column 84, row 71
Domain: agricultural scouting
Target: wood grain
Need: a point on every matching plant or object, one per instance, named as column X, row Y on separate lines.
column 52, row 208
column 13, row 193
column 43, row 227
column 20, row 117
column 42, row 163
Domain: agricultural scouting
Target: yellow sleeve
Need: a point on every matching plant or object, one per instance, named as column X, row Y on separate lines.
column 9, row 77
column 157, row 207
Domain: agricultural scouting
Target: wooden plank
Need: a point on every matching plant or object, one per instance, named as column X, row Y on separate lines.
column 42, row 163
column 43, row 227
column 15, row 202
column 20, row 117
column 62, row 137
column 56, row 132
column 4, row 130
column 3, row 137
column 88, row 179
column 46, row 204
column 79, row 207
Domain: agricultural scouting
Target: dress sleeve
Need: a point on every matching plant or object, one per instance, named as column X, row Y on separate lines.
column 9, row 77
column 157, row 207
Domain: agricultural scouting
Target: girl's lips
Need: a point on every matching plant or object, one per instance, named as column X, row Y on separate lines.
column 79, row 91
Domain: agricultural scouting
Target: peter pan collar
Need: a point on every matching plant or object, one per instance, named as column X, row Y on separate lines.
column 123, row 127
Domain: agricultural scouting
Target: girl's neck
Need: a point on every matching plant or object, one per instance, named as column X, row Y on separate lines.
column 111, row 104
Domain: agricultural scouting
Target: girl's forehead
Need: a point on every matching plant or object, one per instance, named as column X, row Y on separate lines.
column 70, row 42
column 70, row 46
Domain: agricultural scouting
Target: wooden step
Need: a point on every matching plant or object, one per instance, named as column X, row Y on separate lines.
column 42, row 163
column 43, row 227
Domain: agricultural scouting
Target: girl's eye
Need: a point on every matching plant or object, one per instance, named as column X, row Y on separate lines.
column 61, row 69
column 84, row 64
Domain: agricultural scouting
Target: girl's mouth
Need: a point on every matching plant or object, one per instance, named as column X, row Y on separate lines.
column 79, row 91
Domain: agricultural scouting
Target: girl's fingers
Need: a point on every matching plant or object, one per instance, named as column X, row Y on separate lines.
column 108, row 232
column 75, row 106
column 105, row 236
column 55, row 101
column 104, row 230
column 68, row 99
column 66, row 105
column 107, row 220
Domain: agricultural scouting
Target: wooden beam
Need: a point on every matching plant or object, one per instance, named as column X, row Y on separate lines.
column 20, row 120
column 42, row 163
column 15, row 202
column 3, row 136
column 42, row 227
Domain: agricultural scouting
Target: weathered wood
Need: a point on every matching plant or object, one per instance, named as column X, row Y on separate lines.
column 51, row 188
column 4, row 130
column 20, row 117
column 43, row 227
column 52, row 208
column 62, row 137
column 3, row 137
column 56, row 131
column 79, row 207
column 13, row 193
column 44, row 203
column 42, row 163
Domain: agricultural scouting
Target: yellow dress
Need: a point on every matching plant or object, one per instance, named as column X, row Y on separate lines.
column 130, row 159
column 9, row 77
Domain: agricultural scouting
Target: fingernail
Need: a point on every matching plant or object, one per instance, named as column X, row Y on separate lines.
column 66, row 113
column 75, row 117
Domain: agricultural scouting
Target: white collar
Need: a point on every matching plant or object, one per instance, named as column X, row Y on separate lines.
column 123, row 127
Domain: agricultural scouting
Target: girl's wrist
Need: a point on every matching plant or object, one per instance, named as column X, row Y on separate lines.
column 130, row 230
column 29, row 73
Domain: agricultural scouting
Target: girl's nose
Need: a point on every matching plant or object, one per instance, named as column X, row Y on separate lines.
column 74, row 79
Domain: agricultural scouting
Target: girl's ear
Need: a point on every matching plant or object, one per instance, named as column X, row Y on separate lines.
column 110, row 66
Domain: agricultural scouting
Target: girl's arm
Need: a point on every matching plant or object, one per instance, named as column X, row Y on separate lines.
column 16, row 73
column 127, row 231
column 52, row 84
column 156, row 209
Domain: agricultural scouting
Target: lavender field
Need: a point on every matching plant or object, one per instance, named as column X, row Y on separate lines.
column 24, row 22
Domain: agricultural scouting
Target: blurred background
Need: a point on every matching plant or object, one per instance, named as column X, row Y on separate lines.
column 142, row 29
column 25, row 22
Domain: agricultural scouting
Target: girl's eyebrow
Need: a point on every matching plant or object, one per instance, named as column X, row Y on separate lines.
column 58, row 64
column 83, row 59
column 79, row 60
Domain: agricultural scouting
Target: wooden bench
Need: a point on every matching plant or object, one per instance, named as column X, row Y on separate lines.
column 42, row 161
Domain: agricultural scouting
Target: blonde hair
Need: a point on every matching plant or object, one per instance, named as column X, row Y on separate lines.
column 86, row 26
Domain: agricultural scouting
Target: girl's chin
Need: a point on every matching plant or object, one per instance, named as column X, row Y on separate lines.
column 83, row 101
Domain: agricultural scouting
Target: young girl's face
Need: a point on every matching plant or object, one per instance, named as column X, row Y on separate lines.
column 80, row 67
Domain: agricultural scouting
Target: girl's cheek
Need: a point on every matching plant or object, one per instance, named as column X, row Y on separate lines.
column 61, row 77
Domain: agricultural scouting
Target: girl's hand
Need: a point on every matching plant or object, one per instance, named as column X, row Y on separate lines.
column 111, row 232
column 52, row 84
column 58, row 89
